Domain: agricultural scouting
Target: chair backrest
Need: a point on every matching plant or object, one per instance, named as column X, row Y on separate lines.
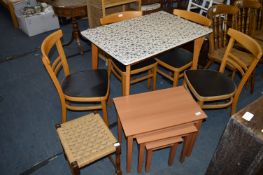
column 194, row 17
column 252, row 47
column 54, row 67
column 223, row 17
column 120, row 16
column 249, row 13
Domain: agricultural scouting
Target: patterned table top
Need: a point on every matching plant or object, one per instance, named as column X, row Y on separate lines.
column 134, row 40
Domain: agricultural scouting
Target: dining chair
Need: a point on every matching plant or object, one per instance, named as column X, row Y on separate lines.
column 223, row 17
column 80, row 90
column 172, row 64
column 248, row 21
column 87, row 139
column 118, row 69
column 213, row 89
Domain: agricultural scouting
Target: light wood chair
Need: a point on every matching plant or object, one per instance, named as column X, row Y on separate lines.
column 213, row 89
column 248, row 21
column 78, row 88
column 86, row 140
column 223, row 17
column 118, row 69
column 179, row 59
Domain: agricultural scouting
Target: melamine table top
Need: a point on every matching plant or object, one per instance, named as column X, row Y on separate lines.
column 134, row 40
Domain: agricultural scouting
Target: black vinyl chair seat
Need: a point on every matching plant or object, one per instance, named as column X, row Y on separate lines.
column 138, row 65
column 177, row 57
column 88, row 83
column 209, row 83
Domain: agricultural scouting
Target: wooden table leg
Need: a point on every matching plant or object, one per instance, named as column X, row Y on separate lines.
column 197, row 47
column 194, row 136
column 129, row 153
column 94, row 57
column 127, row 80
column 140, row 158
column 119, row 130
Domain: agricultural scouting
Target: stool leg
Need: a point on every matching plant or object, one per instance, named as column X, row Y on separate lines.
column 148, row 160
column 141, row 154
column 118, row 160
column 172, row 154
column 75, row 168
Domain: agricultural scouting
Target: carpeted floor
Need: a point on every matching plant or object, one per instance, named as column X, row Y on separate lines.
column 30, row 107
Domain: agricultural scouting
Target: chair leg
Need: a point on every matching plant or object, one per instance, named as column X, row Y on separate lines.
column 63, row 113
column 149, row 79
column 104, row 110
column 175, row 79
column 154, row 76
column 252, row 82
column 118, row 160
column 148, row 160
column 209, row 63
column 172, row 154
column 75, row 168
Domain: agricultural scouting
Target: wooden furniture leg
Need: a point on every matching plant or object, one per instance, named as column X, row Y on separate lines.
column 94, row 57
column 129, row 154
column 197, row 47
column 119, row 131
column 127, row 80
column 140, row 158
column 172, row 154
column 194, row 136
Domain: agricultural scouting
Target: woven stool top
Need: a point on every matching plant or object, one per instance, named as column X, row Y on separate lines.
column 86, row 139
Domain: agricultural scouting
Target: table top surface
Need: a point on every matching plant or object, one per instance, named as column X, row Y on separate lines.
column 160, row 109
column 134, row 40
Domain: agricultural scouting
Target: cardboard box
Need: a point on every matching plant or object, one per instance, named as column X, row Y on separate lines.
column 36, row 24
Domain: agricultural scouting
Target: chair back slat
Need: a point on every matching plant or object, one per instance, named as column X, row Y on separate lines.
column 120, row 16
column 60, row 62
column 53, row 41
column 249, row 18
column 194, row 17
column 223, row 17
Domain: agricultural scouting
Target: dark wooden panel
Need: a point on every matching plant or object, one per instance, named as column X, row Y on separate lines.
column 240, row 149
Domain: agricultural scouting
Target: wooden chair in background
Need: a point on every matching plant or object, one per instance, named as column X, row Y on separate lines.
column 179, row 59
column 249, row 20
column 78, row 88
column 213, row 89
column 223, row 17
column 118, row 69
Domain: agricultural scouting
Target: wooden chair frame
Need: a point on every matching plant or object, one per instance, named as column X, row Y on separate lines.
column 152, row 68
column 178, row 72
column 254, row 48
column 61, row 63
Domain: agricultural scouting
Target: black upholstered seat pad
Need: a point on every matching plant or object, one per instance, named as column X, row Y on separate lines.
column 209, row 83
column 88, row 83
column 177, row 57
column 139, row 65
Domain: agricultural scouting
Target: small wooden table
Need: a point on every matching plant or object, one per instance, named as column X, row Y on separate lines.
column 72, row 9
column 155, row 111
column 135, row 40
